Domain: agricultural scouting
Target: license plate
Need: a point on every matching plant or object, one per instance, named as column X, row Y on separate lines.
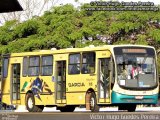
column 138, row 97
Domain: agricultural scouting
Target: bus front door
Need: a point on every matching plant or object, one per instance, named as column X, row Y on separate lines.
column 104, row 81
column 61, row 82
column 15, row 84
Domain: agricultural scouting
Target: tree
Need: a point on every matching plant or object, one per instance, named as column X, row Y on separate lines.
column 66, row 26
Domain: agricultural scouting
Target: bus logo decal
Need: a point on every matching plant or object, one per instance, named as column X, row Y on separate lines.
column 37, row 86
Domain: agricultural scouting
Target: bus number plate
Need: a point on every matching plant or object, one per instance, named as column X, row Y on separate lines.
column 138, row 97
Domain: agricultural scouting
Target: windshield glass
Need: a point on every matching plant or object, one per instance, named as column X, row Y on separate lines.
column 136, row 70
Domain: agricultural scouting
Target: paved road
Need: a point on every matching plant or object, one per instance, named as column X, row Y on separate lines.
column 121, row 115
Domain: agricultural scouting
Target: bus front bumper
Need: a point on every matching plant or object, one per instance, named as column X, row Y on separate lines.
column 122, row 98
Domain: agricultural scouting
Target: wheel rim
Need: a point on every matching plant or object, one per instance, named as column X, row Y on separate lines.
column 92, row 102
column 30, row 103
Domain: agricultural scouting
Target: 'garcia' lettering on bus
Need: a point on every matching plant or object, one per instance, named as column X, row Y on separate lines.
column 76, row 84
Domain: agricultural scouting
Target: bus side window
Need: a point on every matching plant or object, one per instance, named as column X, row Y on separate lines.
column 25, row 66
column 47, row 65
column 74, row 63
column 88, row 63
column 34, row 65
column 5, row 67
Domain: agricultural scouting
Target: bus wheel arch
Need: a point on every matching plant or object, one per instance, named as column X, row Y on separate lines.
column 30, row 103
column 91, row 101
column 29, row 91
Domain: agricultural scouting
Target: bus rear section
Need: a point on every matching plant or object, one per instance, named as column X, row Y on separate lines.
column 136, row 79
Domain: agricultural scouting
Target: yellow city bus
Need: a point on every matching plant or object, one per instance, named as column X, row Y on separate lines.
column 118, row 75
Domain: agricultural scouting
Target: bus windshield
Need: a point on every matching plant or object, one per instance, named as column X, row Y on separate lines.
column 136, row 68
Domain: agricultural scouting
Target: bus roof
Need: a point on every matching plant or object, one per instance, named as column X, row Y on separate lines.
column 74, row 50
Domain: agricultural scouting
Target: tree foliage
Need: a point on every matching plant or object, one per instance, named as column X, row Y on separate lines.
column 66, row 26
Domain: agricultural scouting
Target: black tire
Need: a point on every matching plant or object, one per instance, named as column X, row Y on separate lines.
column 93, row 103
column 131, row 108
column 40, row 108
column 3, row 106
column 128, row 107
column 158, row 103
column 69, row 108
column 30, row 104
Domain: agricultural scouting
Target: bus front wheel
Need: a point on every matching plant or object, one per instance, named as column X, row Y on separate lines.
column 30, row 104
column 93, row 103
column 128, row 107
column 131, row 108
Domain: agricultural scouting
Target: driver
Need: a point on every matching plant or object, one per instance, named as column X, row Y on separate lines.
column 134, row 71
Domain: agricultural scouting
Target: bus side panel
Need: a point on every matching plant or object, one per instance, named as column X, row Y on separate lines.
column 6, row 91
column 45, row 100
column 76, row 98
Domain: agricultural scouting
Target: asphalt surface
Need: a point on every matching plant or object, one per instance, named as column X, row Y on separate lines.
column 112, row 115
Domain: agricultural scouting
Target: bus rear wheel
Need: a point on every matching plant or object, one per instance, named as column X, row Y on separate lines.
column 93, row 103
column 30, row 104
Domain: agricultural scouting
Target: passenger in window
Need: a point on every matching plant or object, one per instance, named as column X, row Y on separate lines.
column 31, row 72
column 125, row 72
column 84, row 69
column 91, row 68
column 134, row 71
column 75, row 69
column 140, row 69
